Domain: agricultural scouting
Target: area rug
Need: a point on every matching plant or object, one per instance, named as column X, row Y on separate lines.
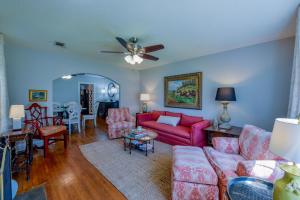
column 138, row 177
column 38, row 193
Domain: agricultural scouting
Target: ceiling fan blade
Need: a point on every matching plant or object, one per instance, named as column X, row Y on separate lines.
column 153, row 48
column 122, row 42
column 111, row 52
column 149, row 57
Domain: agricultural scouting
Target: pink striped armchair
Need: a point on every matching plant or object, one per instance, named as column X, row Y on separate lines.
column 118, row 119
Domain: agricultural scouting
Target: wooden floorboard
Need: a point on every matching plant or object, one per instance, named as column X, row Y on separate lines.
column 67, row 174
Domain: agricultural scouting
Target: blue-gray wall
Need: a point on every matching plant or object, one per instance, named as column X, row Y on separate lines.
column 29, row 68
column 260, row 74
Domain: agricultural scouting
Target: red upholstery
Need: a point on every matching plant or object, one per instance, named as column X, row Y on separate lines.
column 187, row 120
column 180, row 131
column 180, row 135
column 155, row 114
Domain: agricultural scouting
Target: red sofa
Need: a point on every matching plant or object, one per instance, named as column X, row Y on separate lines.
column 189, row 130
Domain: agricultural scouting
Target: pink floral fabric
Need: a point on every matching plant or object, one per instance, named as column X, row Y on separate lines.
column 190, row 165
column 118, row 119
column 226, row 144
column 264, row 169
column 225, row 166
column 192, row 191
column 254, row 144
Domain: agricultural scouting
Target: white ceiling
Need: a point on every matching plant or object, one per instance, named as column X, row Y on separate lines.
column 188, row 29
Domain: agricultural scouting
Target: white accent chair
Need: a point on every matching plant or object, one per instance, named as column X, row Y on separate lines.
column 57, row 107
column 74, row 112
column 92, row 116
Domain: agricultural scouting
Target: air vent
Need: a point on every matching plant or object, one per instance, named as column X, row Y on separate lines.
column 59, row 44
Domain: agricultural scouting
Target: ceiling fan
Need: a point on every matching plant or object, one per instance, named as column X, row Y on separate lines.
column 135, row 52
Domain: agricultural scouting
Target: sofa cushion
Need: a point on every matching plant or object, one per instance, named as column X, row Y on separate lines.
column 173, row 114
column 254, row 144
column 187, row 120
column 123, row 124
column 155, row 114
column 190, row 165
column 180, row 131
column 173, row 121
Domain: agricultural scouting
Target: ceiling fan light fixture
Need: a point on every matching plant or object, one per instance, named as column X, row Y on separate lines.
column 138, row 59
column 129, row 59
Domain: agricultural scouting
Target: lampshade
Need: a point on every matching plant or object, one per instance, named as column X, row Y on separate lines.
column 285, row 140
column 16, row 111
column 225, row 94
column 145, row 97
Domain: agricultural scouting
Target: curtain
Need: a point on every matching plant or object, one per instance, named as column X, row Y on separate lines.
column 3, row 90
column 294, row 104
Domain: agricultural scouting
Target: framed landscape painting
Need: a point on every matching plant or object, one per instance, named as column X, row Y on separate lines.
column 184, row 91
column 38, row 95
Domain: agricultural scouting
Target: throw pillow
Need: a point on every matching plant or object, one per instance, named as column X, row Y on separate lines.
column 173, row 121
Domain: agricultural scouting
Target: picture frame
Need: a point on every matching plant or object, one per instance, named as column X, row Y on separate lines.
column 183, row 91
column 38, row 95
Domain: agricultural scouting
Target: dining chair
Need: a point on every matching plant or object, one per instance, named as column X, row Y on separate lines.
column 74, row 114
column 91, row 116
column 45, row 128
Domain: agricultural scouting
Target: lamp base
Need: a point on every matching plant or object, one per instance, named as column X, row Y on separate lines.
column 145, row 108
column 226, row 126
column 17, row 124
column 288, row 188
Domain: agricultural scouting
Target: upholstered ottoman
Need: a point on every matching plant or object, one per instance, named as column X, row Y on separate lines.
column 192, row 175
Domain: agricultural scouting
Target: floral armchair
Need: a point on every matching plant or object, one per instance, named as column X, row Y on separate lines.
column 117, row 120
column 248, row 155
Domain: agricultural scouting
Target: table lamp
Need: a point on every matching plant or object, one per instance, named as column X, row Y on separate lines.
column 225, row 95
column 16, row 112
column 285, row 142
column 144, row 98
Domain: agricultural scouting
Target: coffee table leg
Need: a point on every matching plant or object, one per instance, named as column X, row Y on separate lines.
column 130, row 146
column 146, row 149
column 152, row 146
column 124, row 144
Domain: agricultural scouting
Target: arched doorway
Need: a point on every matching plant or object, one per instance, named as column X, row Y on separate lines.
column 87, row 90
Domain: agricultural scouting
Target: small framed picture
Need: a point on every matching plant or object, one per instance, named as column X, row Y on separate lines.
column 38, row 95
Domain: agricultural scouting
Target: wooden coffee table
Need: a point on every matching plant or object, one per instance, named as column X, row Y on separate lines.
column 139, row 140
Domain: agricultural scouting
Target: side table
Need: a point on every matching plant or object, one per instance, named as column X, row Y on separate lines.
column 211, row 132
column 20, row 160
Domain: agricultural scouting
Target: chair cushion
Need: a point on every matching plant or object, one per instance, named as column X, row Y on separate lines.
column 120, row 125
column 191, row 165
column 49, row 130
column 254, row 144
column 224, row 164
column 188, row 121
column 264, row 169
column 155, row 114
column 180, row 131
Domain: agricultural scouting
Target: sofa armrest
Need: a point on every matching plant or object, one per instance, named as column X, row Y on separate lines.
column 142, row 117
column 264, row 169
column 198, row 136
column 226, row 144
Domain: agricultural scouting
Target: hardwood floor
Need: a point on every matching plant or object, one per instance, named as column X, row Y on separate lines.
column 67, row 174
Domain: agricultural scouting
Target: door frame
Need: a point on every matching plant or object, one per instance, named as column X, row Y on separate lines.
column 86, row 83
